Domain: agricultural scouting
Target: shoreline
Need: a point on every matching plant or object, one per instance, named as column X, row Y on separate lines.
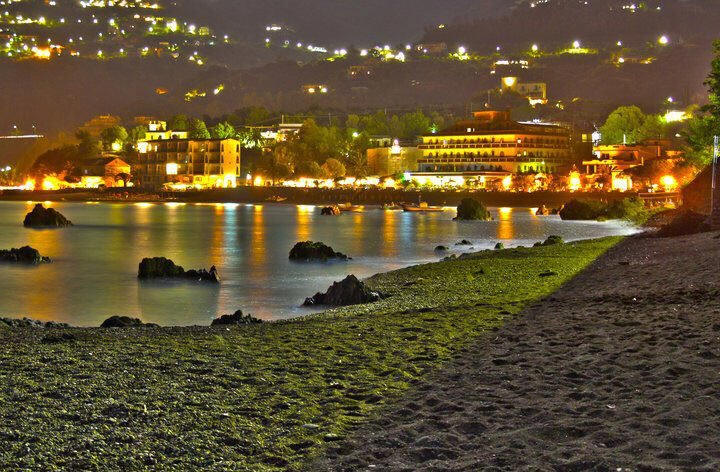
column 300, row 196
column 281, row 392
column 617, row 370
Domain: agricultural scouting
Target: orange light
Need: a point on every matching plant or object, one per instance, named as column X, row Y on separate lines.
column 574, row 183
column 507, row 182
column 669, row 182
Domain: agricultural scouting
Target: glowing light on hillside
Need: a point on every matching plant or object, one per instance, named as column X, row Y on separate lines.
column 663, row 40
column 576, row 44
column 669, row 182
column 535, row 48
column 507, row 182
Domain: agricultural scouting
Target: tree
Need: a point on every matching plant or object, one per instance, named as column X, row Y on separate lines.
column 311, row 170
column 198, row 130
column 114, row 138
column 622, row 125
column 702, row 128
column 713, row 84
column 89, row 147
column 334, row 168
column 137, row 133
column 179, row 123
column 223, row 130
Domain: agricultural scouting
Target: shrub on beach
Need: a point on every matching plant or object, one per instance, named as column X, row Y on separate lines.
column 577, row 209
column 471, row 209
column 631, row 209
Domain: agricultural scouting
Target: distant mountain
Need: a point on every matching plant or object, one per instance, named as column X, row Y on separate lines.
column 340, row 22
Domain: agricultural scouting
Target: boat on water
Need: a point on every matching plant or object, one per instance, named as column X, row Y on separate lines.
column 351, row 207
column 392, row 207
column 276, row 198
column 422, row 207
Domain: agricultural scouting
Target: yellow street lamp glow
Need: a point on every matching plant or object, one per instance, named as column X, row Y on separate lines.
column 535, row 48
column 462, row 50
column 669, row 182
column 576, row 44
column 664, row 40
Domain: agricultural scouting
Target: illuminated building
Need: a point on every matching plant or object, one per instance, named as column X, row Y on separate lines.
column 614, row 160
column 203, row 163
column 314, row 89
column 535, row 92
column 395, row 158
column 432, row 48
column 110, row 171
column 360, row 72
column 100, row 123
column 491, row 145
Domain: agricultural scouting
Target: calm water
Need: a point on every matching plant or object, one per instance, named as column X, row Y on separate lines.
column 95, row 263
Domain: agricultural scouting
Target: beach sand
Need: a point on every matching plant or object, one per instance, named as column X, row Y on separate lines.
column 617, row 371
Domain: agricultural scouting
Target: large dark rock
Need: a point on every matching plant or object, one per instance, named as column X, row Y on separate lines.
column 311, row 251
column 471, row 209
column 333, row 210
column 350, row 291
column 41, row 217
column 125, row 322
column 23, row 255
column 685, row 222
column 236, row 318
column 163, row 268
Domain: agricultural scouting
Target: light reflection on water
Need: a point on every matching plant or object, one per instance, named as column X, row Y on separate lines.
column 95, row 262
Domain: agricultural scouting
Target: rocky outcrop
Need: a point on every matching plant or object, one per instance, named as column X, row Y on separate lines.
column 307, row 251
column 552, row 240
column 29, row 323
column 350, row 291
column 464, row 242
column 542, row 211
column 333, row 210
column 471, row 209
column 23, row 255
column 41, row 217
column 163, row 268
column 126, row 322
column 685, row 222
column 236, row 318
column 441, row 248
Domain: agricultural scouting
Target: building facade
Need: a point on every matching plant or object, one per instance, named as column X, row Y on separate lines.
column 198, row 163
column 395, row 158
column 492, row 142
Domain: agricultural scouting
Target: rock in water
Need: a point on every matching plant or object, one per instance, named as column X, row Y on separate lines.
column 348, row 292
column 163, row 268
column 441, row 248
column 330, row 210
column 311, row 251
column 24, row 255
column 471, row 209
column 236, row 318
column 125, row 322
column 542, row 211
column 41, row 217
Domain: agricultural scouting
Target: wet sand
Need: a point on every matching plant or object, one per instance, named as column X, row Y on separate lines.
column 617, row 371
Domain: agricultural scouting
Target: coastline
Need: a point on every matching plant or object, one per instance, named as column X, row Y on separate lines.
column 313, row 196
column 281, row 391
column 617, row 370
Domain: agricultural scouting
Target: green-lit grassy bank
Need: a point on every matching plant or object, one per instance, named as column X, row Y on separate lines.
column 265, row 397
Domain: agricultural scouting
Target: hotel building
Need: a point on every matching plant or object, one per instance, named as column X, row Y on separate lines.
column 199, row 163
column 491, row 146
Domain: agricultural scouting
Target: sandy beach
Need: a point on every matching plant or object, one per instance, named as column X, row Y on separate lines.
column 617, row 371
